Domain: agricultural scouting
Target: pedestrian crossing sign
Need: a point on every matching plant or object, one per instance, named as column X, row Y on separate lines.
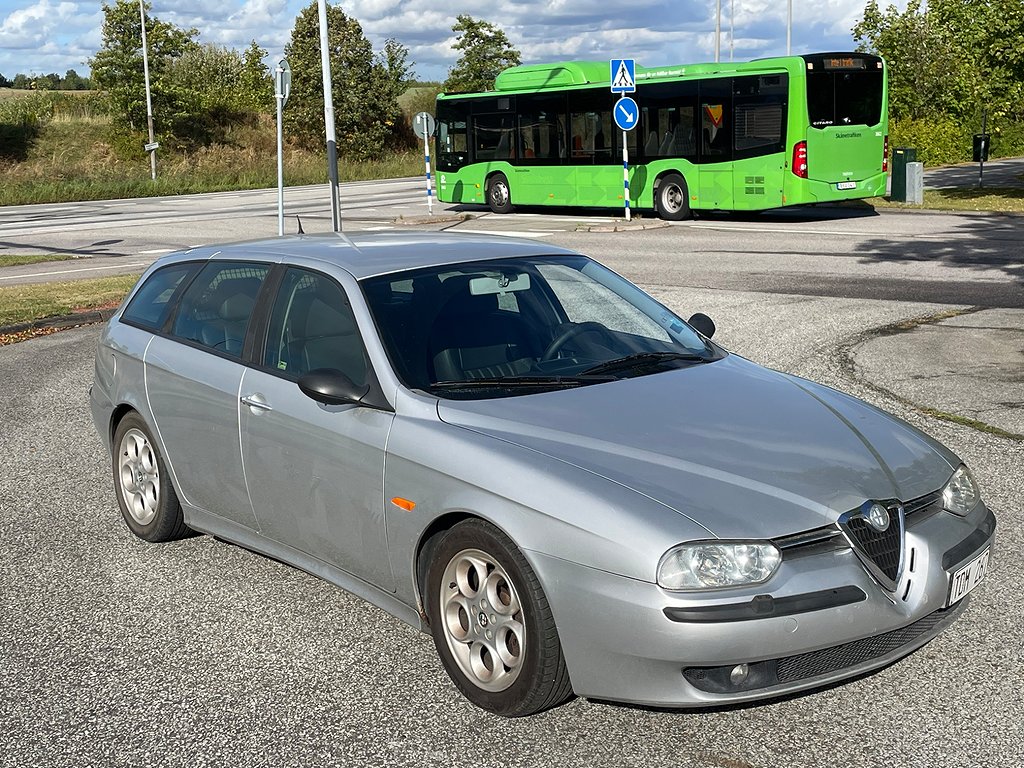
column 623, row 75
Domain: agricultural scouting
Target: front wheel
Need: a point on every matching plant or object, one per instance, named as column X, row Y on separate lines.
column 143, row 485
column 672, row 198
column 492, row 625
column 499, row 196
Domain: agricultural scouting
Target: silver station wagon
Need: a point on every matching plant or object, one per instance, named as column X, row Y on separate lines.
column 509, row 446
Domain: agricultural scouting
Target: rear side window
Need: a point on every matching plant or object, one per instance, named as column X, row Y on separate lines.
column 215, row 309
column 150, row 305
column 312, row 326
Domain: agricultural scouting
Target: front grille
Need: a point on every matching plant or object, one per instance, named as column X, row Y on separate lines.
column 824, row 662
column 883, row 548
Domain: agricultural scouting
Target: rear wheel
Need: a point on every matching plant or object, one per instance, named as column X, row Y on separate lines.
column 143, row 485
column 672, row 198
column 499, row 196
column 492, row 625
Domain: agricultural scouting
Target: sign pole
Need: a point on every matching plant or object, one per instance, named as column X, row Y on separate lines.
column 279, row 97
column 426, row 161
column 626, row 113
column 625, row 173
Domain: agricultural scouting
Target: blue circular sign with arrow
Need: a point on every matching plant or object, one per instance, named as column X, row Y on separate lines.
column 627, row 113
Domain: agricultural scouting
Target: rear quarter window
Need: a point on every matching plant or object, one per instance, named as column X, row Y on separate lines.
column 151, row 304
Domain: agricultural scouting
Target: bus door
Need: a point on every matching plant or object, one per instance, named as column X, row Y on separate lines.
column 716, row 145
column 759, row 146
column 595, row 149
column 543, row 172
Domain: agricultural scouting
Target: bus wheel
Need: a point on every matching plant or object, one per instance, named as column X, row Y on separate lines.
column 671, row 198
column 498, row 196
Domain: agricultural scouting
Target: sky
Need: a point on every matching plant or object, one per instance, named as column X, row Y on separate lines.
column 42, row 36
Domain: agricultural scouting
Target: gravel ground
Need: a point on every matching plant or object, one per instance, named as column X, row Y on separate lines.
column 114, row 652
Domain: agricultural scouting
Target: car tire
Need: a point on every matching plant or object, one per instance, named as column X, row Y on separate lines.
column 142, row 484
column 491, row 623
column 672, row 198
column 499, row 196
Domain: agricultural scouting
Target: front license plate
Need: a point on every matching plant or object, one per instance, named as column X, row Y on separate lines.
column 846, row 185
column 967, row 578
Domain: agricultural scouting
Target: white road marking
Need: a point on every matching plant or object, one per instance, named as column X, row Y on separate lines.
column 504, row 233
column 81, row 269
column 792, row 231
column 155, row 250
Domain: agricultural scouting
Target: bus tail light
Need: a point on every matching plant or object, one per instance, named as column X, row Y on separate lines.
column 800, row 159
column 885, row 156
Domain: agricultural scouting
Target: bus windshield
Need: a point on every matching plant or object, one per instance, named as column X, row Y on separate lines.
column 844, row 98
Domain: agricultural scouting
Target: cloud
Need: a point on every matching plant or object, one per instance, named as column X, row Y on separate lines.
column 51, row 35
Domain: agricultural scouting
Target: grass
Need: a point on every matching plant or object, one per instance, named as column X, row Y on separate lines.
column 27, row 303
column 18, row 259
column 1001, row 200
column 72, row 160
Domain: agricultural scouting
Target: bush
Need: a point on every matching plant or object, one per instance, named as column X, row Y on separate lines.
column 938, row 140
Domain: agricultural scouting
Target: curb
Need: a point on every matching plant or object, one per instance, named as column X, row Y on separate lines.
column 440, row 219
column 62, row 321
column 624, row 226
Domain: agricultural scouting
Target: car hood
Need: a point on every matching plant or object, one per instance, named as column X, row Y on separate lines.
column 739, row 449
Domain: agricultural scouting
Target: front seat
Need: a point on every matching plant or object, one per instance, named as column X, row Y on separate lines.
column 471, row 338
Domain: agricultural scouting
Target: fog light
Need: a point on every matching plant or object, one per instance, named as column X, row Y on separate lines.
column 739, row 674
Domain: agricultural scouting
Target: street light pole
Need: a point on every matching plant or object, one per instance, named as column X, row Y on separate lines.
column 718, row 30
column 149, row 98
column 789, row 28
column 332, row 142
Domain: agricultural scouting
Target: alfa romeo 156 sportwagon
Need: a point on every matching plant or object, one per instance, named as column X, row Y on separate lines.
column 508, row 445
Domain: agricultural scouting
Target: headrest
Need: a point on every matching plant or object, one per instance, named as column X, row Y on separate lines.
column 237, row 307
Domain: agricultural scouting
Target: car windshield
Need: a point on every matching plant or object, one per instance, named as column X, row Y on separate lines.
column 517, row 326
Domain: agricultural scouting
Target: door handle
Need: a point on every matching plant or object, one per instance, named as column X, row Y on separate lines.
column 256, row 402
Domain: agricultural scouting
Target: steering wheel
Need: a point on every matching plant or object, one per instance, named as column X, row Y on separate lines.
column 571, row 333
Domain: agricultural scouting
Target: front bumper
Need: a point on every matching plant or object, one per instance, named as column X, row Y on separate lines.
column 623, row 640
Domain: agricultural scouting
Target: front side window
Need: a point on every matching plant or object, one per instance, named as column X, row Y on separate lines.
column 517, row 326
column 150, row 306
column 311, row 327
column 494, row 137
column 214, row 311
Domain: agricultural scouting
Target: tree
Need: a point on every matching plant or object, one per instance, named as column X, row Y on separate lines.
column 256, row 84
column 72, row 81
column 486, row 51
column 117, row 66
column 4, row 82
column 953, row 57
column 21, row 81
column 364, row 104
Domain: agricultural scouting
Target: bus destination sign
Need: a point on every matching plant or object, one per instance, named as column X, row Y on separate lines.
column 843, row 62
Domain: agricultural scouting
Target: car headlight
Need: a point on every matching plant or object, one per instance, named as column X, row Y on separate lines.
column 716, row 564
column 961, row 494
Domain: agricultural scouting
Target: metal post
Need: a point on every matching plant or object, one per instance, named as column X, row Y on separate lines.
column 332, row 143
column 426, row 162
column 981, row 164
column 279, row 97
column 718, row 30
column 149, row 98
column 789, row 28
column 625, row 173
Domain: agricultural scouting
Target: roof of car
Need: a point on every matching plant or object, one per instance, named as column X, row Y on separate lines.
column 377, row 253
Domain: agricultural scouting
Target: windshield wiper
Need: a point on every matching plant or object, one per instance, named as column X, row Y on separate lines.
column 520, row 381
column 643, row 360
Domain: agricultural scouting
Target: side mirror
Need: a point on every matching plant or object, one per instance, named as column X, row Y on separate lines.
column 331, row 387
column 703, row 324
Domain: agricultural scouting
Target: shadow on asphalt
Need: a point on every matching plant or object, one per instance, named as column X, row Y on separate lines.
column 986, row 242
column 99, row 248
column 855, row 209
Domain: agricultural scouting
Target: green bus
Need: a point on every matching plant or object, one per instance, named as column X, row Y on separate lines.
column 742, row 136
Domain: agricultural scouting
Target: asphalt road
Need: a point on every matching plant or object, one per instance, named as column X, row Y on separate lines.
column 114, row 652
column 973, row 259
